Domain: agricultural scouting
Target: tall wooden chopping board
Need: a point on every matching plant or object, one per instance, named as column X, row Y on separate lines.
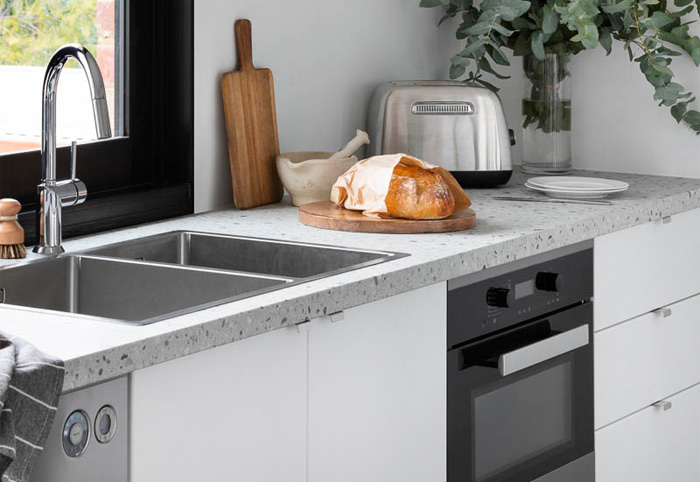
column 251, row 125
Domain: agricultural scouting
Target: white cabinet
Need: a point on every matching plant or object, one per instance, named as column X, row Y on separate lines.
column 645, row 359
column 362, row 398
column 377, row 391
column 646, row 267
column 653, row 445
column 647, row 349
column 236, row 412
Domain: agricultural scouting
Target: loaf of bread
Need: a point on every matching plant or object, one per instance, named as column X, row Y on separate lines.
column 417, row 193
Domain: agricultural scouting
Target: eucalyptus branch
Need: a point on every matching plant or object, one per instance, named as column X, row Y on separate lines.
column 537, row 27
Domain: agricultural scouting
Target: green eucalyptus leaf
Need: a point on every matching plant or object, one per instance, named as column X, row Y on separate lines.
column 668, row 94
column 550, row 20
column 522, row 44
column 692, row 118
column 434, row 3
column 521, row 23
column 617, row 7
column 456, row 71
column 587, row 34
column 497, row 54
column 605, row 39
column 478, row 28
column 485, row 65
column 508, row 10
column 659, row 20
column 681, row 13
column 486, row 84
column 678, row 111
column 538, row 45
column 473, row 49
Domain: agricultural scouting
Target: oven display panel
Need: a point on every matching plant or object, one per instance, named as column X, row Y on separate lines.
column 524, row 289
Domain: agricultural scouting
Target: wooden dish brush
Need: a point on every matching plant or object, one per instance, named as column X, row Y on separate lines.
column 11, row 233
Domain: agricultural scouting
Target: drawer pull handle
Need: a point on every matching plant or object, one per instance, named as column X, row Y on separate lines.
column 338, row 316
column 304, row 326
column 666, row 219
column 664, row 312
column 664, row 404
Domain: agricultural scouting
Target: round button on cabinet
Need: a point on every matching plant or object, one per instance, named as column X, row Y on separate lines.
column 76, row 434
column 105, row 424
column 498, row 297
column 547, row 281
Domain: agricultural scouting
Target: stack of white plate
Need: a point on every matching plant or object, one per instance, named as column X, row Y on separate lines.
column 573, row 187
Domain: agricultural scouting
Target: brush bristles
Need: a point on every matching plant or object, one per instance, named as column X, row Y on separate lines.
column 13, row 251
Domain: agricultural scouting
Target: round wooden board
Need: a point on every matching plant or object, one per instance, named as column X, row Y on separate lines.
column 327, row 215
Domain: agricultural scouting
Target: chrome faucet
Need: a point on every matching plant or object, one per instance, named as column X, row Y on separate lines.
column 53, row 195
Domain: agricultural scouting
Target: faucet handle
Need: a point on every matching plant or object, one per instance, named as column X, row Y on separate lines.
column 73, row 160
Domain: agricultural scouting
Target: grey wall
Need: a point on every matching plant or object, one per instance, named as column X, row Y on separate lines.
column 327, row 55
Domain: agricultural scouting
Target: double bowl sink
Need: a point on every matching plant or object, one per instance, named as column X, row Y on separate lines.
column 162, row 276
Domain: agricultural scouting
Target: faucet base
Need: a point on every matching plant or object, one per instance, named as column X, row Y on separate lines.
column 48, row 250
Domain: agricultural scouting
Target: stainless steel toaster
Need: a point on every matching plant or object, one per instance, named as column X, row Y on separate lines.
column 456, row 125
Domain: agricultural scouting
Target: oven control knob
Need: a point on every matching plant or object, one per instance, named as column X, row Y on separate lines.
column 547, row 281
column 498, row 297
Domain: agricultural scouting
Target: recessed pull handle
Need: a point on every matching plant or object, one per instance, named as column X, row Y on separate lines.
column 664, row 405
column 666, row 219
column 663, row 312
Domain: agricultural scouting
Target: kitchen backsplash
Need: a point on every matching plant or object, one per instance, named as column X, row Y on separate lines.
column 327, row 56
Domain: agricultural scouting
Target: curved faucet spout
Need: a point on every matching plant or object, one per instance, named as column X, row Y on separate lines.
column 52, row 195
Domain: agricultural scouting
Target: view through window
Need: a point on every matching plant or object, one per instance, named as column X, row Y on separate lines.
column 30, row 32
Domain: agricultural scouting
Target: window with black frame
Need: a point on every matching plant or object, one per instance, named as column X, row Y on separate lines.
column 144, row 49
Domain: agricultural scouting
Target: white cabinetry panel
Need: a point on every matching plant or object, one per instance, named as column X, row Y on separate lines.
column 237, row 412
column 377, row 391
column 653, row 445
column 645, row 267
column 645, row 359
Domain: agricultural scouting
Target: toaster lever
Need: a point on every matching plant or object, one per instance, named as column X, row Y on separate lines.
column 511, row 133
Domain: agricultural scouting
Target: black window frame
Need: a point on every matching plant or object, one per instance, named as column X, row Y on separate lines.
column 149, row 174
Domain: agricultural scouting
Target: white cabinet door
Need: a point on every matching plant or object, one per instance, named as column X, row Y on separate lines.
column 377, row 391
column 644, row 359
column 232, row 413
column 653, row 445
column 646, row 267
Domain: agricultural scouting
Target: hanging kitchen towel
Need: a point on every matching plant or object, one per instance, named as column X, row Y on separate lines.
column 30, row 384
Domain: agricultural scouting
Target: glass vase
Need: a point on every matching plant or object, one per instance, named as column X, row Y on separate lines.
column 546, row 110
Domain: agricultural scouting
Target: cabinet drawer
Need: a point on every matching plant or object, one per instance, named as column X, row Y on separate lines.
column 643, row 268
column 653, row 445
column 647, row 358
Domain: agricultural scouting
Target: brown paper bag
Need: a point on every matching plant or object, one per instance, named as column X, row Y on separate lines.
column 365, row 185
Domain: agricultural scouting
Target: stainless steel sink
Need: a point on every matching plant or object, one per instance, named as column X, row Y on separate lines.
column 137, row 293
column 158, row 277
column 264, row 256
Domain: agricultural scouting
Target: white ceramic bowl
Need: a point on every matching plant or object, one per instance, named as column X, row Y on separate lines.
column 309, row 176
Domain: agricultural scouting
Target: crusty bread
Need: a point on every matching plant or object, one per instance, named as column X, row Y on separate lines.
column 416, row 193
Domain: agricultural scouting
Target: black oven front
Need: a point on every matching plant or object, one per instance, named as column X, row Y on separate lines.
column 520, row 375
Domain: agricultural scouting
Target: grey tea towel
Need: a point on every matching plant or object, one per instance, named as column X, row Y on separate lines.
column 30, row 384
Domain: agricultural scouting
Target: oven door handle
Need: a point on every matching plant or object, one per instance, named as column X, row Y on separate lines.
column 544, row 350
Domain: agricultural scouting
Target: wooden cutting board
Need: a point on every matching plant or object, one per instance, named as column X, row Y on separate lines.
column 327, row 215
column 251, row 125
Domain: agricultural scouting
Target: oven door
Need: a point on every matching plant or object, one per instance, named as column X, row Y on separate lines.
column 520, row 403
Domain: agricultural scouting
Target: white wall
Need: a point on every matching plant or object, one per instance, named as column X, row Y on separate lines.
column 327, row 55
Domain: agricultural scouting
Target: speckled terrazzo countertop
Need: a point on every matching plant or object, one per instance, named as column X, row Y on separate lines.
column 95, row 351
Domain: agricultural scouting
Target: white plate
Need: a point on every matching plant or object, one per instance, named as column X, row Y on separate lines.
column 574, row 183
column 565, row 194
column 535, row 186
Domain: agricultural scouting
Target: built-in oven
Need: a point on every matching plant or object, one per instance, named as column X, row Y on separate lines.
column 520, row 373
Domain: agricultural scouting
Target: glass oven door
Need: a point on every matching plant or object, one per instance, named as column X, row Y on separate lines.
column 520, row 403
